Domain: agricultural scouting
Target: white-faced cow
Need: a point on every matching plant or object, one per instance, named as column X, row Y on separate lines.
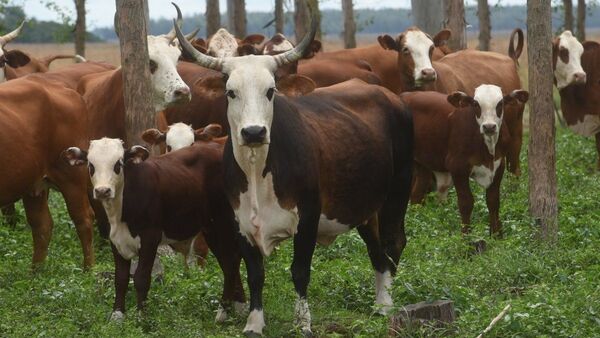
column 166, row 199
column 311, row 168
column 458, row 136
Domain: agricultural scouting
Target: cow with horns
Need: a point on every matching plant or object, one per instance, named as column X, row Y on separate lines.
column 311, row 168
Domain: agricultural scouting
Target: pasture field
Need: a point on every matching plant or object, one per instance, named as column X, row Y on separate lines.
column 554, row 292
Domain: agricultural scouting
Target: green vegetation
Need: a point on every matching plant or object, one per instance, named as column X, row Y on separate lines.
column 554, row 292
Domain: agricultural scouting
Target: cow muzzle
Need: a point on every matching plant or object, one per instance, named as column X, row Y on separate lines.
column 103, row 193
column 489, row 129
column 579, row 78
column 181, row 95
column 254, row 135
column 428, row 75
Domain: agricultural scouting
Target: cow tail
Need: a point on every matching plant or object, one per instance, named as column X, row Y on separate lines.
column 512, row 52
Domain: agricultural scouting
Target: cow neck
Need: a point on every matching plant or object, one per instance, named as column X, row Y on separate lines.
column 119, row 231
column 252, row 161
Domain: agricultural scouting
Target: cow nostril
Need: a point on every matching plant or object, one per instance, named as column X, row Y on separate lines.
column 489, row 128
column 103, row 192
column 580, row 77
column 182, row 92
column 254, row 134
column 428, row 73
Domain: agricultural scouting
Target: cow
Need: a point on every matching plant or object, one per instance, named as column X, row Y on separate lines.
column 39, row 118
column 165, row 199
column 41, row 65
column 458, row 136
column 224, row 44
column 462, row 71
column 12, row 58
column 312, row 167
column 577, row 78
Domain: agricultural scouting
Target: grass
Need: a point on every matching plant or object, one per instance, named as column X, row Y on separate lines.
column 554, row 291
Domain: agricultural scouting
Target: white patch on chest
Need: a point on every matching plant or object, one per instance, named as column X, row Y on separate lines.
column 590, row 126
column 483, row 175
column 127, row 245
column 329, row 229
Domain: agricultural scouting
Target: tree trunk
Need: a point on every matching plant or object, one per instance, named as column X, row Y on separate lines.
column 279, row 16
column 454, row 19
column 349, row 24
column 80, row 28
column 428, row 15
column 542, row 156
column 230, row 15
column 313, row 8
column 485, row 25
column 236, row 16
column 301, row 19
column 213, row 17
column 568, row 6
column 581, row 11
column 137, row 89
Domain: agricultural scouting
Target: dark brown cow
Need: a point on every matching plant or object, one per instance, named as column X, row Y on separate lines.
column 458, row 136
column 39, row 118
column 166, row 199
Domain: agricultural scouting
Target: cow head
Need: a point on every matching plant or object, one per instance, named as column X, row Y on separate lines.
column 488, row 107
column 180, row 135
column 250, row 88
column 566, row 60
column 279, row 44
column 13, row 58
column 105, row 159
column 415, row 50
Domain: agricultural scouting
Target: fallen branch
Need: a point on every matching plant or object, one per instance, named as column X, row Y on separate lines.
column 494, row 321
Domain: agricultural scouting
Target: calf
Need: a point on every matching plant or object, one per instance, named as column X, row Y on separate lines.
column 166, row 199
column 458, row 136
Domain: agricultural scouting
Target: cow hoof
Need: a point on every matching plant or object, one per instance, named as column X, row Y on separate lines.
column 117, row 316
column 221, row 315
column 252, row 334
column 383, row 310
column 307, row 333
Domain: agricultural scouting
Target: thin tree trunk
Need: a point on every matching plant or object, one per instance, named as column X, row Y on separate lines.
column 313, row 8
column 428, row 15
column 485, row 25
column 581, row 11
column 240, row 18
column 542, row 155
column 279, row 16
column 213, row 17
column 80, row 28
column 349, row 24
column 230, row 15
column 301, row 19
column 454, row 19
column 568, row 6
column 137, row 89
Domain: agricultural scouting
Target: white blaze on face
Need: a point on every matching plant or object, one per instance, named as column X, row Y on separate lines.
column 488, row 97
column 418, row 45
column 566, row 73
column 178, row 136
column 104, row 157
column 222, row 44
column 168, row 86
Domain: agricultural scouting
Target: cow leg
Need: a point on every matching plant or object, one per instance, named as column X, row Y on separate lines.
column 10, row 214
column 256, row 280
column 420, row 187
column 150, row 240
column 122, row 266
column 492, row 198
column 444, row 182
column 598, row 150
column 465, row 200
column 40, row 220
column 200, row 249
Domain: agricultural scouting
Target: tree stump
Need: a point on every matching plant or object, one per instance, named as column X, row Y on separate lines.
column 440, row 312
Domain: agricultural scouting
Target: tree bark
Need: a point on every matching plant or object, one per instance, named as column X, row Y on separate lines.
column 80, row 28
column 542, row 154
column 313, row 8
column 236, row 14
column 428, row 15
column 279, row 16
column 454, row 19
column 230, row 15
column 349, row 24
column 485, row 25
column 137, row 88
column 568, row 7
column 301, row 19
column 581, row 11
column 213, row 17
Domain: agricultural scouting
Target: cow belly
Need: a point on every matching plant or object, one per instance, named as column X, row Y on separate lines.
column 483, row 175
column 590, row 126
column 329, row 229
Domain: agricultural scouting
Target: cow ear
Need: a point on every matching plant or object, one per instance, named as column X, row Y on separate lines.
column 295, row 85
column 442, row 37
column 136, row 154
column 16, row 58
column 208, row 133
column 254, row 39
column 519, row 95
column 460, row 100
column 74, row 156
column 154, row 136
column 387, row 42
column 590, row 45
column 247, row 49
column 314, row 47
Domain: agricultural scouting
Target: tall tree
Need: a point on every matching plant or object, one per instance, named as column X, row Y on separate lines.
column 236, row 14
column 568, row 7
column 131, row 26
column 213, row 17
column 302, row 16
column 428, row 15
column 80, row 27
column 581, row 11
column 542, row 153
column 230, row 15
column 454, row 19
column 349, row 24
column 485, row 25
column 279, row 16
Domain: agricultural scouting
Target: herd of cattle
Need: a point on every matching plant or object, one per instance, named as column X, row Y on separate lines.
column 316, row 143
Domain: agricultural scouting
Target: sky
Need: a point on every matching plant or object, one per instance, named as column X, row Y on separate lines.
column 100, row 12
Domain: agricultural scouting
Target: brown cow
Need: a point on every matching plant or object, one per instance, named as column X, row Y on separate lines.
column 166, row 199
column 12, row 58
column 458, row 136
column 39, row 118
column 41, row 65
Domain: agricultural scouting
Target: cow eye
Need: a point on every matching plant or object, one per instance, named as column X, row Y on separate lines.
column 153, row 66
column 91, row 169
column 117, row 167
column 230, row 93
column 169, row 148
column 405, row 50
column 270, row 93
